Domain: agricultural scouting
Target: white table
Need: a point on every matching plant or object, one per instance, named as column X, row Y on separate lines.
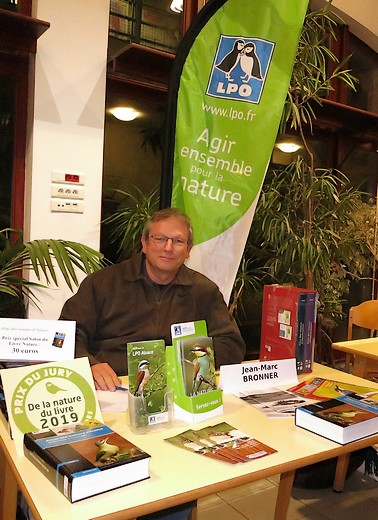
column 178, row 476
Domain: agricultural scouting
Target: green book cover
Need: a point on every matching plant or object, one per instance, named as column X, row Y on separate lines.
column 147, row 382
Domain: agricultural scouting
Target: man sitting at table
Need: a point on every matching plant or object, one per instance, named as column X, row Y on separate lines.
column 140, row 298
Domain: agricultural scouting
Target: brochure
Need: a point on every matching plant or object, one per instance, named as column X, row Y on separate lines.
column 197, row 362
column 273, row 402
column 222, row 442
column 148, row 391
column 191, row 373
column 319, row 388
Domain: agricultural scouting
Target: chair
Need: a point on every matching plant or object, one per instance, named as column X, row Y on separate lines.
column 364, row 315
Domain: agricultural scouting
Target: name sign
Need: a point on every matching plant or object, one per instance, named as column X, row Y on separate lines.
column 258, row 375
column 36, row 340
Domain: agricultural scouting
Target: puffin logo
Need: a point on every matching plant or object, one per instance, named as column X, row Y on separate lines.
column 240, row 68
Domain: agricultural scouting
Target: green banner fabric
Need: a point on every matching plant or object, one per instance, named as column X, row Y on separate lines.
column 232, row 73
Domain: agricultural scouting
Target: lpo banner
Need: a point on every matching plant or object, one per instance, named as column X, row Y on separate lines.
column 227, row 91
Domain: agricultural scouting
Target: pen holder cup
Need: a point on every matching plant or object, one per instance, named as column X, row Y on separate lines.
column 143, row 419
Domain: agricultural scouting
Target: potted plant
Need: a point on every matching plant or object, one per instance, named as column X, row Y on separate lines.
column 307, row 230
column 45, row 258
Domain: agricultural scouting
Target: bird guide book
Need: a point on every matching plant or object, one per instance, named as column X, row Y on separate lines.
column 148, row 392
column 343, row 420
column 83, row 460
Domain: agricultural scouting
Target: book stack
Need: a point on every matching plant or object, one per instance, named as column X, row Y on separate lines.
column 288, row 325
column 342, row 420
column 82, row 460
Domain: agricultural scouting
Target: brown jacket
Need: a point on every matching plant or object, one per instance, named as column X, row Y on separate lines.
column 120, row 304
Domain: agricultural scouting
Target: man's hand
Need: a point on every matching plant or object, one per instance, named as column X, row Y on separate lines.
column 104, row 377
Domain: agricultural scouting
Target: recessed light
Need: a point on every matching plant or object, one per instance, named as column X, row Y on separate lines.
column 124, row 113
column 176, row 6
column 288, row 147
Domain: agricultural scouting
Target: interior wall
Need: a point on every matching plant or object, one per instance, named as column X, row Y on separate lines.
column 362, row 18
column 68, row 126
column 127, row 163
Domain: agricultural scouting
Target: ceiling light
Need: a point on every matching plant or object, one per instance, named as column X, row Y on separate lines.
column 124, row 113
column 176, row 6
column 288, row 147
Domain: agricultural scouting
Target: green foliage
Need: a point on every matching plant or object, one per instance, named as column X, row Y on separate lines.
column 316, row 68
column 306, row 229
column 45, row 258
column 126, row 223
column 308, row 234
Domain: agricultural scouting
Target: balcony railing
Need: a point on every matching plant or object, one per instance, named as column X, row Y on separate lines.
column 151, row 23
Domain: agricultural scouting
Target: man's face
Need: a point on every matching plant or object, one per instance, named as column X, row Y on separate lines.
column 164, row 259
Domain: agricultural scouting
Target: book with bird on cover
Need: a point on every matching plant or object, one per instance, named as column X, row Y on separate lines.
column 148, row 391
column 83, row 460
column 342, row 420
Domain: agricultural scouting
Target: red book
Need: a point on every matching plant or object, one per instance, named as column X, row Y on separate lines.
column 284, row 327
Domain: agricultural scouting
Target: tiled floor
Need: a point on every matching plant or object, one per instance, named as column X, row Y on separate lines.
column 358, row 501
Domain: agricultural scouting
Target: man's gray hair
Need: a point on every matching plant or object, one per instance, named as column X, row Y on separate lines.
column 169, row 213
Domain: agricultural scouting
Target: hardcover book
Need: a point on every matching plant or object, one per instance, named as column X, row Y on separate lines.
column 310, row 331
column 288, row 325
column 342, row 420
column 83, row 460
column 148, row 401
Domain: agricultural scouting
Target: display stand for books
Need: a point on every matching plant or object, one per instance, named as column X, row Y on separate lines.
column 193, row 408
column 143, row 422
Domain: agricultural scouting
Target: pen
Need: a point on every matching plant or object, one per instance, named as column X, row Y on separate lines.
column 121, row 388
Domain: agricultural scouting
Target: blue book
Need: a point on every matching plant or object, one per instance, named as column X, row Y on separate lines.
column 83, row 460
column 343, row 419
column 310, row 331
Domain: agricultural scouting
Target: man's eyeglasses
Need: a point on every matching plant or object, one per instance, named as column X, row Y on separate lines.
column 161, row 240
